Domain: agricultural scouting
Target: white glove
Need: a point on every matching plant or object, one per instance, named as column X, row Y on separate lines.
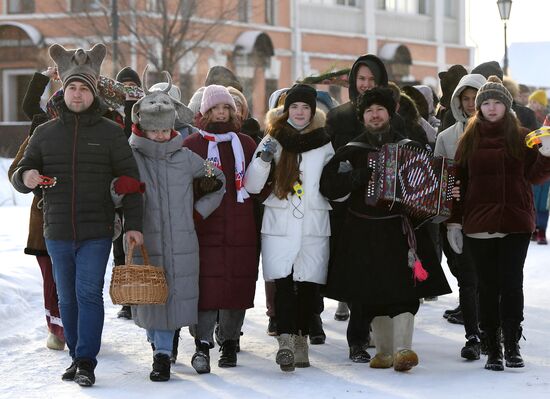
column 454, row 236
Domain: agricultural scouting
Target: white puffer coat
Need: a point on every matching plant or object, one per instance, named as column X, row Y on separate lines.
column 295, row 231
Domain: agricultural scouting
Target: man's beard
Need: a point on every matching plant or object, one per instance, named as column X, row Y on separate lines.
column 380, row 130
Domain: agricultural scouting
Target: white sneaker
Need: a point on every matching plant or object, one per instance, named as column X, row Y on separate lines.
column 54, row 343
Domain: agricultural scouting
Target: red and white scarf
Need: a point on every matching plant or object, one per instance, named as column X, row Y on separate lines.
column 214, row 157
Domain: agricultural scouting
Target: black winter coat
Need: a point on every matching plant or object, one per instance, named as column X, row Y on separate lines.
column 369, row 263
column 84, row 152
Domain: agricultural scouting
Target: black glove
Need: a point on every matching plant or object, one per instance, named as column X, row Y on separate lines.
column 360, row 177
column 207, row 185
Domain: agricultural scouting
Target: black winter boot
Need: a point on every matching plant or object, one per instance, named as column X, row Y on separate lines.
column 512, row 334
column 125, row 313
column 161, row 368
column 316, row 333
column 449, row 312
column 471, row 350
column 358, row 354
column 494, row 351
column 229, row 354
column 70, row 372
column 201, row 359
column 85, row 376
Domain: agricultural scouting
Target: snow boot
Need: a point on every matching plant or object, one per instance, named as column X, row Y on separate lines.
column 229, row 354
column 534, row 234
column 358, row 354
column 512, row 334
column 161, row 368
column 456, row 318
column 54, row 343
column 404, row 358
column 317, row 335
column 70, row 372
column 494, row 351
column 449, row 312
column 382, row 332
column 301, row 358
column 541, row 237
column 285, row 354
column 201, row 359
column 342, row 312
column 472, row 349
column 272, row 327
column 125, row 313
column 84, row 375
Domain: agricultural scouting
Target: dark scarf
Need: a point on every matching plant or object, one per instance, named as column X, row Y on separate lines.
column 295, row 142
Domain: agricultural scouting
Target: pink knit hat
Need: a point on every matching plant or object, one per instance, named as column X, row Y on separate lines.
column 214, row 95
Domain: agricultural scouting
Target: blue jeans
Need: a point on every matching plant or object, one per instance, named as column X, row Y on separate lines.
column 162, row 339
column 79, row 271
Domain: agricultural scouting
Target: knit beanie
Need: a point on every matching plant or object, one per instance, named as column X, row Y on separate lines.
column 195, row 101
column 239, row 98
column 378, row 95
column 488, row 69
column 494, row 89
column 79, row 65
column 448, row 81
column 127, row 74
column 214, row 95
column 301, row 93
column 540, row 97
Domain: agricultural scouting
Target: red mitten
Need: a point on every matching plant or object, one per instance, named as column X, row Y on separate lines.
column 128, row 185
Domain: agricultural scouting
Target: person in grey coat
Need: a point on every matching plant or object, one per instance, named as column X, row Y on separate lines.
column 168, row 171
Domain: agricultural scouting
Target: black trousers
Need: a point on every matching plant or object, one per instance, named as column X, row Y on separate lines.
column 462, row 267
column 295, row 302
column 358, row 332
column 499, row 263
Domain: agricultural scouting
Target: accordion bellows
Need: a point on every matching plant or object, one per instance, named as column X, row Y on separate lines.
column 411, row 180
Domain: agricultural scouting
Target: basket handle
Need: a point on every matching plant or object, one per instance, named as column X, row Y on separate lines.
column 130, row 255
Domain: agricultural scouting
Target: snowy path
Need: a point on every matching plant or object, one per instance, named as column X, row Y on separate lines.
column 29, row 370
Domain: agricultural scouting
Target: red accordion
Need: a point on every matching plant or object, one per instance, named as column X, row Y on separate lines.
column 411, row 180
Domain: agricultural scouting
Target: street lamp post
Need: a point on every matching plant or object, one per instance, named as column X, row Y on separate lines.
column 504, row 7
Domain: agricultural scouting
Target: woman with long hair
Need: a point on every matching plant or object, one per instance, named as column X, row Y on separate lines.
column 496, row 214
column 295, row 224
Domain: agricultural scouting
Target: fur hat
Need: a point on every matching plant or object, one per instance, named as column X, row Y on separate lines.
column 419, row 100
column 220, row 75
column 494, row 89
column 540, row 97
column 378, row 95
column 81, row 65
column 158, row 110
column 127, row 74
column 239, row 98
column 301, row 93
column 174, row 91
column 214, row 95
column 448, row 81
column 489, row 68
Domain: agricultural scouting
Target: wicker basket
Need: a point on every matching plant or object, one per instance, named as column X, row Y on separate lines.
column 138, row 284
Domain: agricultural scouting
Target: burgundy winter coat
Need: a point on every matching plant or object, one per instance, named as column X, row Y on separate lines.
column 497, row 187
column 227, row 238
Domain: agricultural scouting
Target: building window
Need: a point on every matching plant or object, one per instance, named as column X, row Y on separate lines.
column 152, row 6
column 243, row 10
column 349, row 3
column 85, row 5
column 404, row 6
column 186, row 87
column 270, row 12
column 449, row 9
column 20, row 6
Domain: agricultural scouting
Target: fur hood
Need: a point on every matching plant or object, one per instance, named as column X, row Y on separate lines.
column 318, row 120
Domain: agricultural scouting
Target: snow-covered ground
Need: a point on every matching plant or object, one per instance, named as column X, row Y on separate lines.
column 29, row 370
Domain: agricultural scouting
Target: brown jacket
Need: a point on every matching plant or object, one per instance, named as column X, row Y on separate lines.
column 35, row 242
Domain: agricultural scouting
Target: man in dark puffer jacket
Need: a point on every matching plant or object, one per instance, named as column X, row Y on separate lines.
column 84, row 152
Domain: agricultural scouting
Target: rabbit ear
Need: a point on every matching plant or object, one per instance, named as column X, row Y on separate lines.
column 169, row 79
column 184, row 114
column 144, row 80
column 135, row 111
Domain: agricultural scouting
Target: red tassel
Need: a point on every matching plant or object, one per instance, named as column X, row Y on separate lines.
column 419, row 273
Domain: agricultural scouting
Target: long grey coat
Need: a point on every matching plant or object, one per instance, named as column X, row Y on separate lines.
column 168, row 171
